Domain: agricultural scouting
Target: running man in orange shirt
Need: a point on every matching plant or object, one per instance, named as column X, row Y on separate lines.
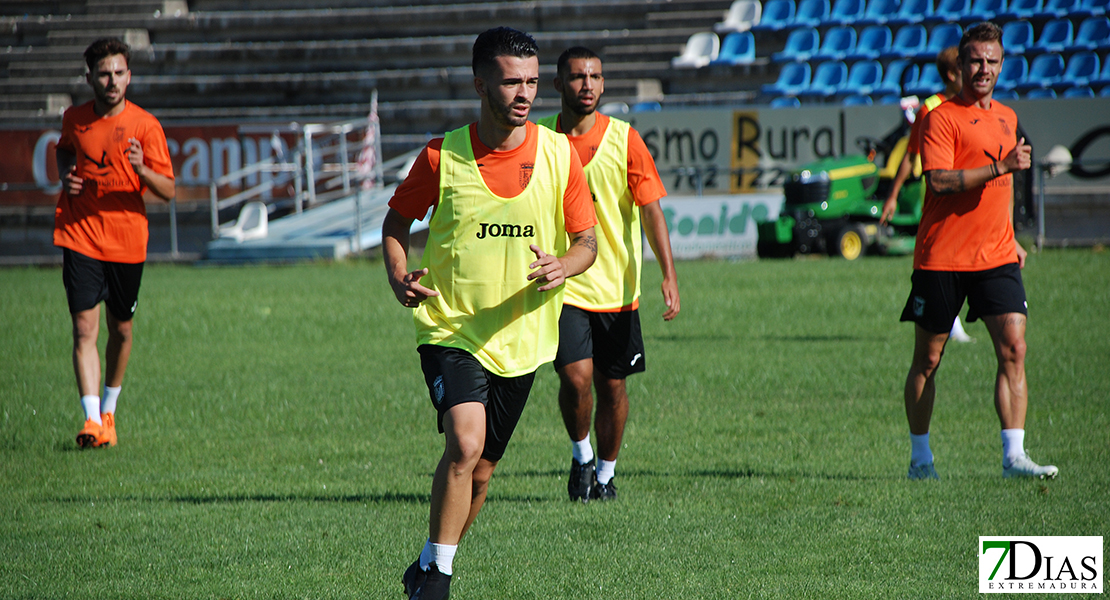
column 966, row 250
column 112, row 155
column 600, row 343
column 506, row 195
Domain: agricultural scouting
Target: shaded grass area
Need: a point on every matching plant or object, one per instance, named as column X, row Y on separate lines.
column 276, row 441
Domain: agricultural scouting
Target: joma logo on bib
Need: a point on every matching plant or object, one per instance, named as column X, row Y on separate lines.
column 505, row 230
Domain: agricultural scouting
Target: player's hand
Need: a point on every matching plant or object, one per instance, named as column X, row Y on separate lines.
column 670, row 298
column 1019, row 159
column 72, row 183
column 408, row 290
column 1021, row 254
column 135, row 155
column 889, row 207
column 549, row 270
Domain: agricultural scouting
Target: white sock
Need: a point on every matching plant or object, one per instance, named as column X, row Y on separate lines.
column 108, row 404
column 1013, row 445
column 91, row 404
column 582, row 451
column 605, row 470
column 443, row 555
column 920, row 454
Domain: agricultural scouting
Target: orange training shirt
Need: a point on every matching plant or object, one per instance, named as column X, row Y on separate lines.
column 107, row 220
column 971, row 230
column 643, row 177
column 506, row 174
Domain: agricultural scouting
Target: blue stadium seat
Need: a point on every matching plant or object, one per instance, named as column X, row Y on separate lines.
column 785, row 102
column 878, row 12
column 1017, row 36
column 1093, row 34
column 1089, row 8
column 800, row 45
column 908, row 41
column 1014, row 70
column 1021, row 9
column 649, row 106
column 949, row 11
column 942, row 36
column 1044, row 71
column 793, row 78
column 984, row 10
column 777, row 15
column 1056, row 36
column 837, row 43
column 1082, row 91
column 1104, row 92
column 811, row 13
column 1004, row 94
column 1040, row 94
column 1057, row 9
column 896, row 72
column 828, row 77
column 928, row 82
column 863, row 78
column 857, row 100
column 1104, row 75
column 872, row 42
column 846, row 12
column 1082, row 70
column 738, row 48
column 911, row 11
column 890, row 99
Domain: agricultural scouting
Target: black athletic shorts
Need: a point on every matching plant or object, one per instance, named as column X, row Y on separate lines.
column 455, row 377
column 89, row 282
column 611, row 339
column 937, row 296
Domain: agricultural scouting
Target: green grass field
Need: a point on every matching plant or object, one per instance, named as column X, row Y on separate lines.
column 276, row 441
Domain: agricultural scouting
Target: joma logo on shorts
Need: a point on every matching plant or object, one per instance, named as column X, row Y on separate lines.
column 506, row 230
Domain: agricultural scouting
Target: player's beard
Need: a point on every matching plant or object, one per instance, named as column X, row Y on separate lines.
column 504, row 113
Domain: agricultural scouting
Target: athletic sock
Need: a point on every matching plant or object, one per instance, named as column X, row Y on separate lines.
column 108, row 404
column 920, row 454
column 605, row 470
column 443, row 555
column 91, row 404
column 1013, row 445
column 582, row 451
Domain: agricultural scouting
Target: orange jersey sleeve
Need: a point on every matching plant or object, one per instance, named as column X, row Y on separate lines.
column 578, row 204
column 643, row 176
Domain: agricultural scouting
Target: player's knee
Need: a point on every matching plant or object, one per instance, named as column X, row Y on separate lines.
column 1013, row 350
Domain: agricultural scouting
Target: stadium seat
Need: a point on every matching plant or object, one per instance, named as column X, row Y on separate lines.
column 811, row 13
column 1089, row 8
column 741, row 16
column 984, row 10
column 1014, row 70
column 1017, row 36
column 837, row 43
column 949, row 11
column 863, row 77
column 857, row 100
column 1056, row 36
column 738, row 48
column 927, row 84
column 1040, row 94
column 1021, row 9
column 890, row 99
column 777, row 16
column 1057, row 9
column 908, row 42
column 1082, row 70
column 800, row 45
column 846, row 12
column 1004, row 94
column 1104, row 75
column 1093, row 34
column 828, row 78
column 942, row 36
column 252, row 224
column 896, row 72
column 1082, row 91
column 614, row 108
column 1104, row 92
column 1044, row 71
column 872, row 42
column 701, row 48
column 911, row 12
column 793, row 78
column 785, row 102
column 878, row 12
column 649, row 106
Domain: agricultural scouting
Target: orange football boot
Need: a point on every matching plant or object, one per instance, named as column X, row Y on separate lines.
column 107, row 436
column 90, row 434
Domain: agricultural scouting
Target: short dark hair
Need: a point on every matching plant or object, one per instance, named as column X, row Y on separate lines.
column 573, row 53
column 983, row 32
column 948, row 60
column 501, row 41
column 104, row 47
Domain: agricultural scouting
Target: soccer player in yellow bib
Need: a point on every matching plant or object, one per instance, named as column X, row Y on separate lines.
column 599, row 331
column 506, row 195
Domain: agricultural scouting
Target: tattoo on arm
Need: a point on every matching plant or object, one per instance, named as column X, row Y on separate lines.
column 947, row 182
column 586, row 239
